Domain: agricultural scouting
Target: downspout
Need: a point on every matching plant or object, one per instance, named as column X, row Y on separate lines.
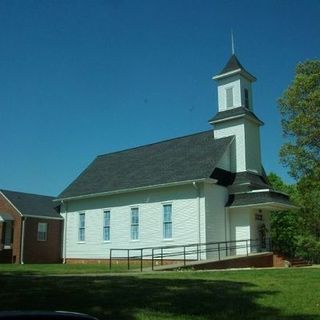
column 22, row 239
column 194, row 184
column 65, row 232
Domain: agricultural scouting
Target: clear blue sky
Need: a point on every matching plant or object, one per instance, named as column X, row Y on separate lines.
column 83, row 78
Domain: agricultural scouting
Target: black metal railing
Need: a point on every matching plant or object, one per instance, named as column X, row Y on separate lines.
column 187, row 253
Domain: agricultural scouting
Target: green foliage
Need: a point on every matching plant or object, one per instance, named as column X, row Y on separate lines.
column 284, row 232
column 308, row 247
column 277, row 183
column 296, row 232
column 309, row 200
column 284, row 224
column 300, row 111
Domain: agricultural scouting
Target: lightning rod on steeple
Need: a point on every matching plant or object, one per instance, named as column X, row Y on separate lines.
column 232, row 42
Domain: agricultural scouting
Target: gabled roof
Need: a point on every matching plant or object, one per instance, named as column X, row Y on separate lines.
column 234, row 113
column 182, row 159
column 32, row 204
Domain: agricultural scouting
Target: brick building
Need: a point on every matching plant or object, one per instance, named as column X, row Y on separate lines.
column 30, row 228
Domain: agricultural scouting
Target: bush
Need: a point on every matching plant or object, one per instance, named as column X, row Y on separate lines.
column 308, row 247
column 284, row 230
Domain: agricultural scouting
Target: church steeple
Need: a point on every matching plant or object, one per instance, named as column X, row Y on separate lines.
column 235, row 116
column 234, row 86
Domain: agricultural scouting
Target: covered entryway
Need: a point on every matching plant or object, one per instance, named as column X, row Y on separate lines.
column 249, row 216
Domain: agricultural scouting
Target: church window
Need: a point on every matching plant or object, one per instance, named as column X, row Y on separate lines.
column 229, row 97
column 82, row 226
column 167, row 221
column 106, row 225
column 134, row 224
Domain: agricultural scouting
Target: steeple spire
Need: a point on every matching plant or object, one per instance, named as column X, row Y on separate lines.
column 232, row 42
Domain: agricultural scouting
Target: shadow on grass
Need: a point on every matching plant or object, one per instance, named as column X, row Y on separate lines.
column 129, row 297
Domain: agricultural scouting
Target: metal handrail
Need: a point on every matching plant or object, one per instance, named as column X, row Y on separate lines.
column 199, row 248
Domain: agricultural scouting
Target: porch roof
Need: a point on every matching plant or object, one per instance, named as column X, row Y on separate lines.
column 265, row 198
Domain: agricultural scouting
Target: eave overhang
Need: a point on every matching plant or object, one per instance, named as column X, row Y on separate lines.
column 235, row 113
column 121, row 191
column 242, row 72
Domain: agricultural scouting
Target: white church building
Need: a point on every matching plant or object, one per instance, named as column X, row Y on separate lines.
column 202, row 188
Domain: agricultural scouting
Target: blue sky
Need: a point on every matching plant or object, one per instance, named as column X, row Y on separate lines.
column 83, row 78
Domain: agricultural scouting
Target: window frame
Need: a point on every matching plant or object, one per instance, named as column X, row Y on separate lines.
column 167, row 222
column 82, row 227
column 106, row 226
column 228, row 96
column 42, row 235
column 134, row 225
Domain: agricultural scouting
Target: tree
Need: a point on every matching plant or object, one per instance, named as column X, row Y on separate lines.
column 300, row 111
column 285, row 224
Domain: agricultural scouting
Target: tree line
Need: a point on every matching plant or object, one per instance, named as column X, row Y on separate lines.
column 297, row 232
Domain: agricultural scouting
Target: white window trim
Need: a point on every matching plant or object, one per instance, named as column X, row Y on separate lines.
column 167, row 204
column 226, row 96
column 45, row 232
column 139, row 215
column 79, row 214
column 103, row 226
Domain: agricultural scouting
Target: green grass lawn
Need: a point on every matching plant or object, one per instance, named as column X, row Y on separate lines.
column 51, row 269
column 286, row 294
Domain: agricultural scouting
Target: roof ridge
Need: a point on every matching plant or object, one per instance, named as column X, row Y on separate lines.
column 155, row 143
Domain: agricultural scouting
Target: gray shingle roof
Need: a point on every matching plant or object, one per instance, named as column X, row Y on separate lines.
column 248, row 188
column 186, row 158
column 234, row 64
column 256, row 198
column 32, row 204
column 241, row 181
column 234, row 112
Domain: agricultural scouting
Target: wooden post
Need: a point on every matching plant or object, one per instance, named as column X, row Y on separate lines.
column 141, row 260
column 152, row 261
column 128, row 258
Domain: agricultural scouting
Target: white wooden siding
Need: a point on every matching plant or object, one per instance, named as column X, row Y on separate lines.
column 229, row 82
column 185, row 221
column 240, row 226
column 215, row 200
column 253, row 153
column 229, row 128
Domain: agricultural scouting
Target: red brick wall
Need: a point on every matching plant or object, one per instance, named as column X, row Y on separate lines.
column 6, row 207
column 278, row 261
column 48, row 251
